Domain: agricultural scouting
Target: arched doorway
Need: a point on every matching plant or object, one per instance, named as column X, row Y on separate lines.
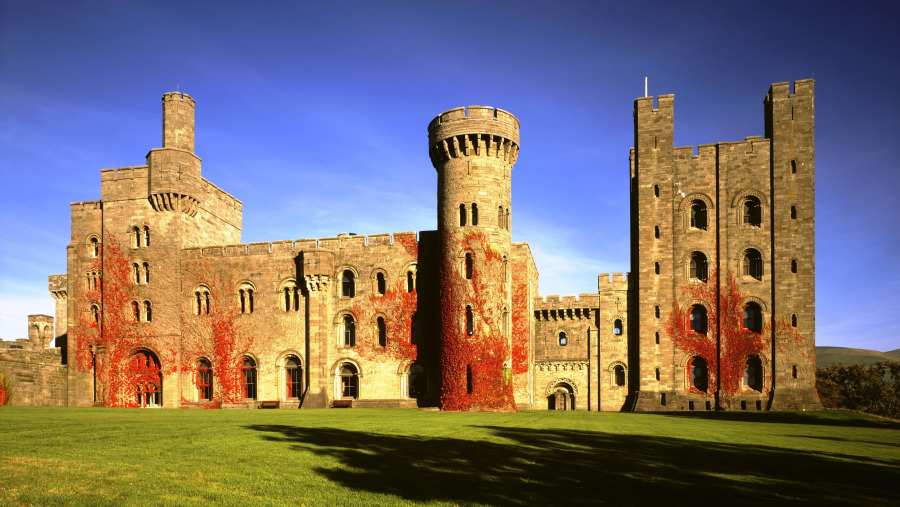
column 561, row 397
column 146, row 378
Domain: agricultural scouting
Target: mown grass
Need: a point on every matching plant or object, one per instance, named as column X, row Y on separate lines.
column 64, row 456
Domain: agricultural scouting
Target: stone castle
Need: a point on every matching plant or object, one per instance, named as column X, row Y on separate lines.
column 162, row 305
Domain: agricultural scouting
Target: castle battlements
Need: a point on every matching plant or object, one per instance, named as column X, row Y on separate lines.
column 618, row 281
column 349, row 241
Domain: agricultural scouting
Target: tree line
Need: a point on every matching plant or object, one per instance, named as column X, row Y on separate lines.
column 874, row 389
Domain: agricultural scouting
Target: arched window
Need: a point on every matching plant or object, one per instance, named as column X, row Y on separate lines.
column 349, row 331
column 655, row 190
column 135, row 311
column 470, row 321
column 752, row 211
column 410, row 281
column 246, row 296
column 135, row 273
column 753, row 373
column 698, row 267
column 95, row 248
column 248, row 377
column 201, row 301
column 382, row 332
column 656, row 231
column 793, row 265
column 146, row 236
column 417, row 382
column 135, row 237
column 563, row 339
column 617, row 327
column 698, row 215
column 462, row 215
column 793, row 212
column 752, row 265
column 144, row 371
column 506, row 219
column 657, row 374
column 794, row 371
column 348, row 284
column 500, row 223
column 474, row 214
column 793, row 167
column 794, row 320
column 204, row 380
column 290, row 296
column 146, row 272
column 470, row 266
column 148, row 315
column 657, row 337
column 656, row 267
column 380, row 284
column 95, row 314
column 753, row 317
column 656, row 311
column 698, row 374
column 698, row 319
column 293, row 378
column 619, row 374
column 349, row 382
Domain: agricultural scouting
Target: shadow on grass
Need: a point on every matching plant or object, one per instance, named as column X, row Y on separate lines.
column 822, row 417
column 524, row 467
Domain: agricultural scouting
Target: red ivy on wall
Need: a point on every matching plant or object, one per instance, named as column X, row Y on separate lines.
column 476, row 374
column 737, row 343
column 521, row 334
column 111, row 343
column 218, row 334
column 397, row 307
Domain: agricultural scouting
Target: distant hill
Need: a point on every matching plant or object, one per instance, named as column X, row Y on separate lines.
column 828, row 355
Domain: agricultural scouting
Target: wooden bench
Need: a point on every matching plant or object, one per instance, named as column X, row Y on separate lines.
column 342, row 404
column 270, row 404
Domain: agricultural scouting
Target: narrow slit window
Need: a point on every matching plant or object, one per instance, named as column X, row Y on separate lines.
column 474, row 214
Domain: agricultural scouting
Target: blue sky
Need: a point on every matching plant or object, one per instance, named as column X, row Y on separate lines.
column 314, row 114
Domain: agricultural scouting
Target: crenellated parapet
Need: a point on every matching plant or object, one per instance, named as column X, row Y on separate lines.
column 477, row 131
column 343, row 242
column 555, row 308
column 618, row 281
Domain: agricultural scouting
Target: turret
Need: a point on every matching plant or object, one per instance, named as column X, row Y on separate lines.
column 474, row 152
column 174, row 169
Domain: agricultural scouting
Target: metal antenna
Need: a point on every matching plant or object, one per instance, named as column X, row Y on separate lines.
column 645, row 86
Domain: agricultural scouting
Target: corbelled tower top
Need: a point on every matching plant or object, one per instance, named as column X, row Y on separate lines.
column 476, row 131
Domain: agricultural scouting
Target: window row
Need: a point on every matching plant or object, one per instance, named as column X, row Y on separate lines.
column 292, row 379
column 380, row 288
column 698, row 374
column 468, row 215
column 750, row 212
column 140, row 237
column 348, row 382
column 347, row 331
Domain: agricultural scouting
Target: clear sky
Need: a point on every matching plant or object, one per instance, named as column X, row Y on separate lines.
column 315, row 115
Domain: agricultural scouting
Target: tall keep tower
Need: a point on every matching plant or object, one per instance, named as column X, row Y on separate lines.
column 474, row 152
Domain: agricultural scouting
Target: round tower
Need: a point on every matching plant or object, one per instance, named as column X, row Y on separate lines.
column 473, row 151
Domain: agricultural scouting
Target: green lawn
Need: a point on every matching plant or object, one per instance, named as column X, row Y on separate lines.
column 363, row 457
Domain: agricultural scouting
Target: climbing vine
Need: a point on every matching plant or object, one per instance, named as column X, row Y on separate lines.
column 521, row 334
column 736, row 344
column 5, row 389
column 114, row 342
column 213, row 331
column 475, row 370
column 397, row 307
